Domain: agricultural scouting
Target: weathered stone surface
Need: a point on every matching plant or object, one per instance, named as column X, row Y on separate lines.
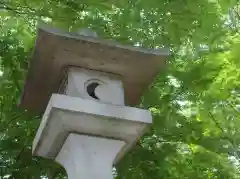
column 89, row 157
column 65, row 115
column 107, row 88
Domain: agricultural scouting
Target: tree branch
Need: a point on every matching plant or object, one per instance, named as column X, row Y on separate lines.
column 7, row 8
column 23, row 11
column 227, row 137
column 14, row 118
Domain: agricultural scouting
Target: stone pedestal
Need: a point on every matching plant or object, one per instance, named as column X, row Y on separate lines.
column 88, row 157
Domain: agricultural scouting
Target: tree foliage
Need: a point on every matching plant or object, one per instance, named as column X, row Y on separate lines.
column 194, row 101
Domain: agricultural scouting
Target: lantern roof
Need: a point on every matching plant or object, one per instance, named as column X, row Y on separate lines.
column 55, row 51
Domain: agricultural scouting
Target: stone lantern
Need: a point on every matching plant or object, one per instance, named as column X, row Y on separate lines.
column 84, row 86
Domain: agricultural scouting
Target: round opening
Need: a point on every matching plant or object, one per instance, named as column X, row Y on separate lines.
column 91, row 89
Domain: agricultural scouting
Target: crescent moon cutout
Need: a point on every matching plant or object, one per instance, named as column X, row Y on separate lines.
column 91, row 90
